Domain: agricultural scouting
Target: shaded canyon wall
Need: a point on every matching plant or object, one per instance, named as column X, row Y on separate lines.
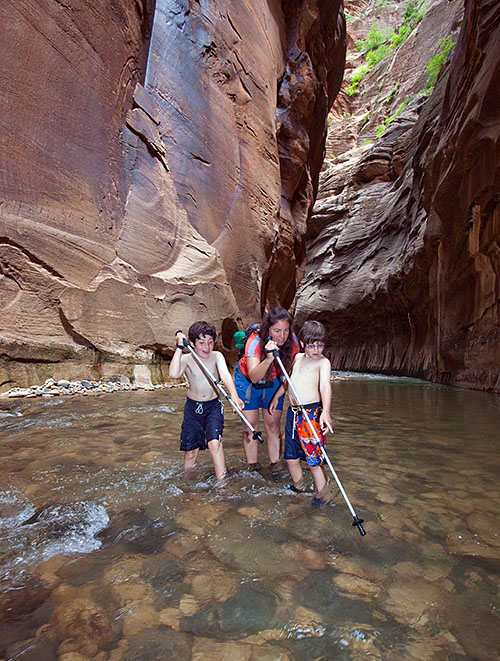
column 404, row 244
column 159, row 161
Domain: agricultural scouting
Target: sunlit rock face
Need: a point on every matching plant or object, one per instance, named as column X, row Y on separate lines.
column 159, row 163
column 403, row 259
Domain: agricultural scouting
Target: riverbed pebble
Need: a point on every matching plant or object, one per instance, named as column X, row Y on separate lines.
column 360, row 587
column 206, row 648
column 51, row 387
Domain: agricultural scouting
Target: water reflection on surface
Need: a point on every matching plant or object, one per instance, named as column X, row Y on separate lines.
column 107, row 553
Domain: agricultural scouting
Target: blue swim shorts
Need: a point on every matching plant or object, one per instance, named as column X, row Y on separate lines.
column 203, row 422
column 256, row 398
column 299, row 437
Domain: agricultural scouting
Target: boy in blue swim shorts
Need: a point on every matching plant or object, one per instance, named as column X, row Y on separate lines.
column 203, row 421
column 310, row 377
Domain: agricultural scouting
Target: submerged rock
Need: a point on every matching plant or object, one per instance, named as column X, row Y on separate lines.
column 157, row 644
column 135, row 531
column 82, row 624
column 248, row 611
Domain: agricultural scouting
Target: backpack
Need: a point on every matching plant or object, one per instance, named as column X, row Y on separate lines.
column 241, row 337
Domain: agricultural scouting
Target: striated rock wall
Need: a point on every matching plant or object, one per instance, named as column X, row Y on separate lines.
column 403, row 257
column 68, row 75
column 159, row 161
column 457, row 163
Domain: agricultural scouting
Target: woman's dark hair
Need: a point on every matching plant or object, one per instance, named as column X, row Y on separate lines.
column 200, row 328
column 312, row 331
column 272, row 317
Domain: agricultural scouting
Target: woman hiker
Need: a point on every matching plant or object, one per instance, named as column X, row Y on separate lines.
column 258, row 377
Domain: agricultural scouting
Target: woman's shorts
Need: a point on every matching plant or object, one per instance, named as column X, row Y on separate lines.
column 256, row 398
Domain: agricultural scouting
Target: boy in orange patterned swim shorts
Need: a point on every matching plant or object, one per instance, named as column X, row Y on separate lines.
column 311, row 373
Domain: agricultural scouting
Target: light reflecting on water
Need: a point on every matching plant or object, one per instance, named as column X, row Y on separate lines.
column 107, row 553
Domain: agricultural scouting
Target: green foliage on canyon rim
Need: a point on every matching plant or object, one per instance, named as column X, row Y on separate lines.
column 378, row 45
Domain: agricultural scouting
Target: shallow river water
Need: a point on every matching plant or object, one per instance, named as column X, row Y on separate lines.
column 107, row 553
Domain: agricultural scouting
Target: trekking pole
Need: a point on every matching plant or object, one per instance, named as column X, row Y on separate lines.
column 256, row 435
column 357, row 521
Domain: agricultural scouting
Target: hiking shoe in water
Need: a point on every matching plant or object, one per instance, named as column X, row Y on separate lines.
column 327, row 496
column 254, row 467
column 276, row 466
column 298, row 487
column 276, row 469
column 221, row 485
column 190, row 475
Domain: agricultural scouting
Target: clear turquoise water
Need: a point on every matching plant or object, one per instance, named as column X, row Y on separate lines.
column 107, row 553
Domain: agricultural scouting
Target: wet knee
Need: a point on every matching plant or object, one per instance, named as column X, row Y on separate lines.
column 190, row 458
column 215, row 447
column 273, row 428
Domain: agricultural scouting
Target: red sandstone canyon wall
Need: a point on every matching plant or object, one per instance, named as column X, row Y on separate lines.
column 159, row 161
column 403, row 251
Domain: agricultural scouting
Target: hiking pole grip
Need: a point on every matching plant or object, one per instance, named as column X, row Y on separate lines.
column 257, row 436
column 184, row 341
column 357, row 522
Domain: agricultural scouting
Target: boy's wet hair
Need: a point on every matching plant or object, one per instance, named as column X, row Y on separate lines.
column 312, row 331
column 200, row 328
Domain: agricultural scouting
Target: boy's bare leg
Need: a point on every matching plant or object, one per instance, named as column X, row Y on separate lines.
column 319, row 477
column 296, row 472
column 190, row 459
column 250, row 444
column 217, row 454
column 273, row 433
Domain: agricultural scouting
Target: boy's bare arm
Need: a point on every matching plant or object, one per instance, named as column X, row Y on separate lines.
column 325, row 389
column 177, row 364
column 325, row 386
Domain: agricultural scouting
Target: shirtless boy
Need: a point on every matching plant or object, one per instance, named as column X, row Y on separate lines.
column 203, row 412
column 310, row 377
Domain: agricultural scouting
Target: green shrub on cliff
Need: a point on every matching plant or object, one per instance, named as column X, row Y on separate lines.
column 378, row 44
column 436, row 63
column 356, row 77
column 374, row 56
column 382, row 127
column 374, row 39
column 375, row 47
column 414, row 13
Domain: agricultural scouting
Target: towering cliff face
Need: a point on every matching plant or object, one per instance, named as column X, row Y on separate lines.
column 457, row 163
column 159, row 163
column 403, row 256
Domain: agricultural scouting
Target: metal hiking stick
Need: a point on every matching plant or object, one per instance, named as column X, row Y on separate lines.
column 256, row 435
column 357, row 521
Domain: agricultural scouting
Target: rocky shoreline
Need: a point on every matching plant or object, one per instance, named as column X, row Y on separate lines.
column 53, row 388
